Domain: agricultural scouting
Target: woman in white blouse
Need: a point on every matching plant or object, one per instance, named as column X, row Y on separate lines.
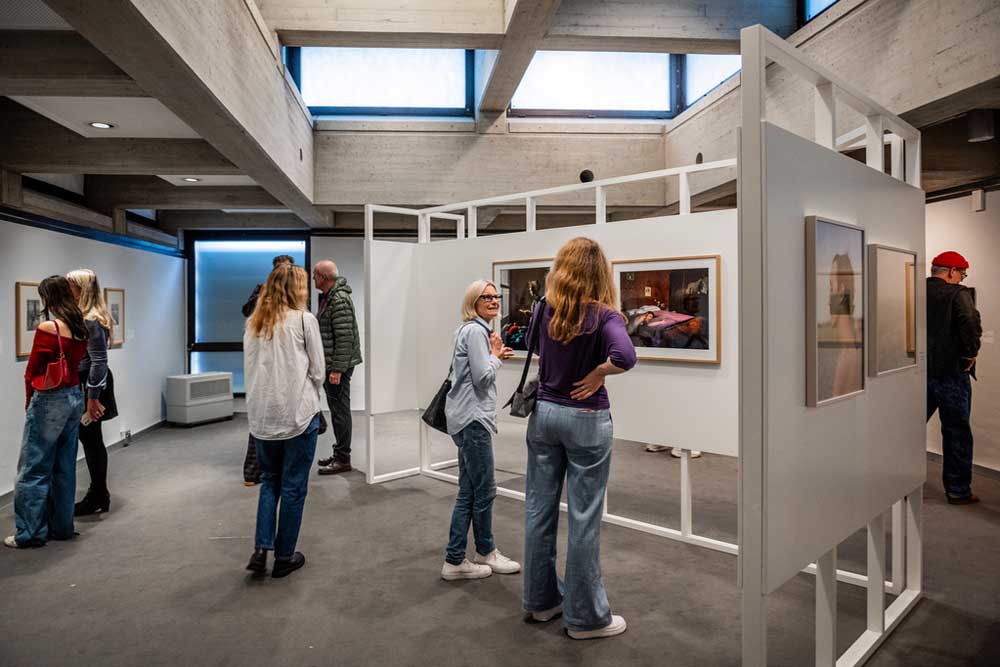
column 284, row 369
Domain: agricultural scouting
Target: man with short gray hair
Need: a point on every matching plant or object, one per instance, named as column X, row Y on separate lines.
column 953, row 333
column 338, row 327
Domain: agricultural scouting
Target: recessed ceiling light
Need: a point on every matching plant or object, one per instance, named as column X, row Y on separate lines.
column 101, row 125
column 191, row 179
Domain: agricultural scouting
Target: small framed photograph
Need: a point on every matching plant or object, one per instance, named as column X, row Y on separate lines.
column 520, row 283
column 28, row 314
column 891, row 292
column 835, row 310
column 115, row 298
column 672, row 306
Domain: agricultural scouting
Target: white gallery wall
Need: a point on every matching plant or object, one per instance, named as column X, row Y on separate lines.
column 953, row 225
column 683, row 404
column 154, row 327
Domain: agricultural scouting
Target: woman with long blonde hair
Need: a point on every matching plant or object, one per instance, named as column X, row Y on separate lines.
column 283, row 368
column 580, row 338
column 98, row 388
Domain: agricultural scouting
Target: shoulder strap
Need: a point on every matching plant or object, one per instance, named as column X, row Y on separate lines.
column 536, row 319
column 59, row 339
column 454, row 351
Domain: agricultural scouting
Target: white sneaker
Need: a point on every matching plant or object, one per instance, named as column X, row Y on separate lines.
column 657, row 448
column 466, row 570
column 547, row 615
column 9, row 541
column 676, row 453
column 616, row 627
column 498, row 562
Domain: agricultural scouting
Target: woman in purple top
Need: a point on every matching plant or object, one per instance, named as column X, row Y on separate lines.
column 580, row 338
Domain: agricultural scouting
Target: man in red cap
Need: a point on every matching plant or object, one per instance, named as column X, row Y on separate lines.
column 953, row 332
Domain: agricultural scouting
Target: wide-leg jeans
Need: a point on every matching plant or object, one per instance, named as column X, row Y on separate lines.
column 951, row 396
column 574, row 443
column 477, row 489
column 284, row 482
column 45, row 491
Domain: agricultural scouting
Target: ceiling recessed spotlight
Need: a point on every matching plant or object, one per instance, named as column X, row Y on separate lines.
column 191, row 179
column 101, row 125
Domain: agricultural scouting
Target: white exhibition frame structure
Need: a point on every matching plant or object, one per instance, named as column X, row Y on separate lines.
column 835, row 492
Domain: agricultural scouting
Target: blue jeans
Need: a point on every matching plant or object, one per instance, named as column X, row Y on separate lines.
column 45, row 491
column 952, row 396
column 574, row 443
column 284, row 475
column 477, row 488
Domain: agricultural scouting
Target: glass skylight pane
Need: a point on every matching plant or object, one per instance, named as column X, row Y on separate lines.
column 705, row 72
column 416, row 78
column 571, row 80
column 814, row 7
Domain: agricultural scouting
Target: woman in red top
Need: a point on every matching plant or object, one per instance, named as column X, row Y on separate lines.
column 46, row 471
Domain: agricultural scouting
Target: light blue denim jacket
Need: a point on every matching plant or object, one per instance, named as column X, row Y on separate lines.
column 473, row 395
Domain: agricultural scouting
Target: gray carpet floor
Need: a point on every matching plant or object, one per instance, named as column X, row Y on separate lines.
column 160, row 580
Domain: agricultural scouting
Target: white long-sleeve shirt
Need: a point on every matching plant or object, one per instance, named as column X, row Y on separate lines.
column 284, row 377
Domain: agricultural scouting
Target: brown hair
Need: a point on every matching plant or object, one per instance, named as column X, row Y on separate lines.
column 59, row 304
column 287, row 288
column 580, row 275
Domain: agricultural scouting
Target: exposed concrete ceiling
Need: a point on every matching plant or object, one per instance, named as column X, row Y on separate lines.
column 132, row 117
column 208, row 180
column 29, row 15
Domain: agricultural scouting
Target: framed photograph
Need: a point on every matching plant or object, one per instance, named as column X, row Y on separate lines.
column 835, row 310
column 115, row 298
column 27, row 316
column 520, row 283
column 672, row 306
column 892, row 324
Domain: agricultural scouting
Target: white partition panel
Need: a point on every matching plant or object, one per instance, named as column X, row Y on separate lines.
column 687, row 405
column 830, row 469
column 392, row 352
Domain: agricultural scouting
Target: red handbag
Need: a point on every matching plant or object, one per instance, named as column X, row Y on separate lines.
column 56, row 372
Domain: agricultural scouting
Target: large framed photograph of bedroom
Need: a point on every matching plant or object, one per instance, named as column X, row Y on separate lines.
column 520, row 284
column 835, row 310
column 672, row 307
column 892, row 321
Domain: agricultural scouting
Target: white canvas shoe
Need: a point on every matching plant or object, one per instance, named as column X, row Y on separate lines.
column 615, row 627
column 9, row 541
column 466, row 570
column 547, row 615
column 676, row 453
column 657, row 448
column 498, row 562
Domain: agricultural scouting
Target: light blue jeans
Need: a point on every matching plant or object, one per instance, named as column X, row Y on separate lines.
column 574, row 443
column 45, row 491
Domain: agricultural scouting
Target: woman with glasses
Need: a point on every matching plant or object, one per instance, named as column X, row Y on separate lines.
column 471, row 408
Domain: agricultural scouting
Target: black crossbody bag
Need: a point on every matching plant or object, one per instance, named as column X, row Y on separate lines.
column 522, row 402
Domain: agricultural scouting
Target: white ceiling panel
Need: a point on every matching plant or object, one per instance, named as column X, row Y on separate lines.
column 132, row 117
column 235, row 180
column 29, row 15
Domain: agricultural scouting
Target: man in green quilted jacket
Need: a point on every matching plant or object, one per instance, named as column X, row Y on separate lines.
column 338, row 327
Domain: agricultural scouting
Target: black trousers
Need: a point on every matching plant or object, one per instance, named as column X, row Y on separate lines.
column 338, row 398
column 92, row 439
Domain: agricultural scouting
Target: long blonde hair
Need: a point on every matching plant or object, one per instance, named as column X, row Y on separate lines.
column 580, row 275
column 287, row 288
column 91, row 301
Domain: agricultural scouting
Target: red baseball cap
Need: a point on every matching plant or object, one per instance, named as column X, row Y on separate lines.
column 950, row 259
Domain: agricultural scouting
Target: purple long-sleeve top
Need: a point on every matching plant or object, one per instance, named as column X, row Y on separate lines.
column 561, row 365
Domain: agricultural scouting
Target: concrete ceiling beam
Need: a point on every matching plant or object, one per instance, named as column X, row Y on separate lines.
column 106, row 193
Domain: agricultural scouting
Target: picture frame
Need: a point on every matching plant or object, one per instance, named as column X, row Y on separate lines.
column 519, row 283
column 28, row 314
column 673, row 307
column 835, row 310
column 892, row 306
column 115, row 299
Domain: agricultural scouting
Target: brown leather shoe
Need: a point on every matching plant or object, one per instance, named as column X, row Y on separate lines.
column 322, row 463
column 336, row 467
column 968, row 500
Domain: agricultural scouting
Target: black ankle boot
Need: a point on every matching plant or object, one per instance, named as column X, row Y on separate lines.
column 258, row 561
column 93, row 503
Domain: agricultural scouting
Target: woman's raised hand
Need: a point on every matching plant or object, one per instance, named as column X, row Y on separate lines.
column 496, row 345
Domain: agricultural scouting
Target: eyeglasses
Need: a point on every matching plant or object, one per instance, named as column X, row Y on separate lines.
column 962, row 272
column 491, row 297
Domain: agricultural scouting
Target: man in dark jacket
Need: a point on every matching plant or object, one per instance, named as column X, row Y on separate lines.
column 953, row 332
column 338, row 327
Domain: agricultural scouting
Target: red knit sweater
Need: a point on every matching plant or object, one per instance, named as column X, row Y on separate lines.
column 44, row 351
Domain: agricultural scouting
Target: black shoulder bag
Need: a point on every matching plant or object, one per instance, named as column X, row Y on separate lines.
column 434, row 414
column 522, row 402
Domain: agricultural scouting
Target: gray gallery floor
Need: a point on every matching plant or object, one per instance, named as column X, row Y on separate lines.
column 160, row 580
